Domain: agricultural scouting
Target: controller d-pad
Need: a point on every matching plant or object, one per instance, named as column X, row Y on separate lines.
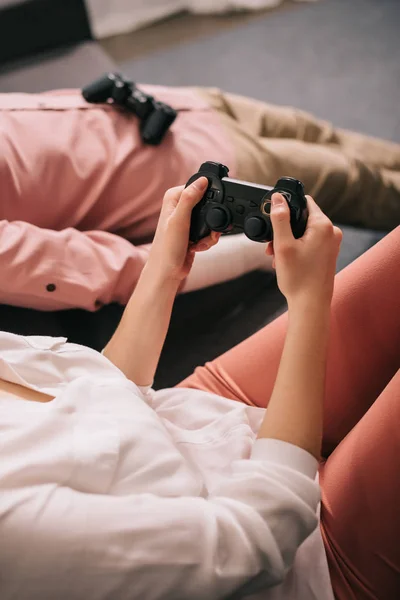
column 210, row 194
column 240, row 209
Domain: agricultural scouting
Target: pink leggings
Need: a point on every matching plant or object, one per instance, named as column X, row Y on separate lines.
column 360, row 473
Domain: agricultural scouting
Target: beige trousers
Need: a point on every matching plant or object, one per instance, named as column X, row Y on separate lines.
column 353, row 177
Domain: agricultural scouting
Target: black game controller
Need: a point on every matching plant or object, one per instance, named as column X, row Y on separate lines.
column 230, row 203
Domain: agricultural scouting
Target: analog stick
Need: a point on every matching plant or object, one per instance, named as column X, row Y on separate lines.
column 256, row 228
column 218, row 218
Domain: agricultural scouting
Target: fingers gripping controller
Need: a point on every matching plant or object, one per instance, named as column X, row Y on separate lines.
column 230, row 203
column 199, row 227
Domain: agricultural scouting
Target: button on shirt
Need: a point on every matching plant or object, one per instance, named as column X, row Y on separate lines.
column 115, row 491
column 80, row 193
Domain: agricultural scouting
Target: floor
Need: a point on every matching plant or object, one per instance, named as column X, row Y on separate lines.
column 175, row 30
column 337, row 59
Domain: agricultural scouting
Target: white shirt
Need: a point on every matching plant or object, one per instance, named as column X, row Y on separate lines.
column 114, row 492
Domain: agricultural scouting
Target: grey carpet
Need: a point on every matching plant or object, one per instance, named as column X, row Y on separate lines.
column 67, row 67
column 339, row 59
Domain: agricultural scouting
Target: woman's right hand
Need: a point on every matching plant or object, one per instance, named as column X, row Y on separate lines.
column 305, row 267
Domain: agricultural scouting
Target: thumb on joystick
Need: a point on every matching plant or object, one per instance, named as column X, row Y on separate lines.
column 280, row 219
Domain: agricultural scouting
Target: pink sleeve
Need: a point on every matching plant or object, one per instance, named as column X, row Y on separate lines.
column 53, row 270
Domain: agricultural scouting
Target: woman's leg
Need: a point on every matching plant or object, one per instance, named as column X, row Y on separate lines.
column 360, row 517
column 360, row 513
column 364, row 349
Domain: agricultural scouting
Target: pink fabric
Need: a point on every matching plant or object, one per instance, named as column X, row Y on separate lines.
column 360, row 483
column 75, row 180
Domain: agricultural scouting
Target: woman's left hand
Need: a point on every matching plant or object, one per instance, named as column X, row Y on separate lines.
column 172, row 254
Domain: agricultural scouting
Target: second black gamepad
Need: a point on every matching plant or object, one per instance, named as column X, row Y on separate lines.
column 231, row 203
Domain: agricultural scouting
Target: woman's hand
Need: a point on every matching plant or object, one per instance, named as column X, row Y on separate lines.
column 171, row 253
column 136, row 346
column 305, row 267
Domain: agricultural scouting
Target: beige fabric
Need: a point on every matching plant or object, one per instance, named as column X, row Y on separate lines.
column 354, row 178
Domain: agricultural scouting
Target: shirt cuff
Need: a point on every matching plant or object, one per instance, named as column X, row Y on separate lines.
column 285, row 454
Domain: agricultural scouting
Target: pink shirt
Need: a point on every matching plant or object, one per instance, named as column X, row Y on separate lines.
column 76, row 183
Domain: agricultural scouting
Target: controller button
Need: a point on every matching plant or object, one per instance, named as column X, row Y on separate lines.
column 266, row 208
column 217, row 218
column 253, row 204
column 210, row 195
column 255, row 227
column 240, row 209
column 287, row 195
column 229, row 199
